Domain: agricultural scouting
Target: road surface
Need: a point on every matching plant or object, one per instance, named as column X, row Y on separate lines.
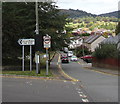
column 100, row 86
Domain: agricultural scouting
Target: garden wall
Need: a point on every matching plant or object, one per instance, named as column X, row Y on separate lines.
column 106, row 63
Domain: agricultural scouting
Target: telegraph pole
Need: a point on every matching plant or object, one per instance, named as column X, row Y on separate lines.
column 37, row 34
column 37, row 24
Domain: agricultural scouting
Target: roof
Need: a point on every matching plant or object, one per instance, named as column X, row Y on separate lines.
column 91, row 38
column 112, row 39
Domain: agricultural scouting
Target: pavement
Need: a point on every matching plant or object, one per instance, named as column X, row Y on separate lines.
column 97, row 69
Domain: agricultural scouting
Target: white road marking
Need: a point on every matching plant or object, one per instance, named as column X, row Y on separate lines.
column 83, row 96
column 80, row 92
column 85, row 100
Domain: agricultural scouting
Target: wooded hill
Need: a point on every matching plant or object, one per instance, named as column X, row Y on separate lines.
column 79, row 13
column 112, row 14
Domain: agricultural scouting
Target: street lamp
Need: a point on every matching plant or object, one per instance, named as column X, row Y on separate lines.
column 37, row 34
column 36, row 12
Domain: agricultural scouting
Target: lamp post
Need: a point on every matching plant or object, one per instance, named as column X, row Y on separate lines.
column 36, row 12
column 37, row 34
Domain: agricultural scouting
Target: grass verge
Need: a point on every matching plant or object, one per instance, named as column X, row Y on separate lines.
column 28, row 73
column 33, row 72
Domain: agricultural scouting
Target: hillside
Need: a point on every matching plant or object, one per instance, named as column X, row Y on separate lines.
column 79, row 13
column 111, row 14
column 75, row 13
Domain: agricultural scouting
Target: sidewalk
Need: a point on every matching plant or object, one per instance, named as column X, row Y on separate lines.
column 102, row 70
column 57, row 71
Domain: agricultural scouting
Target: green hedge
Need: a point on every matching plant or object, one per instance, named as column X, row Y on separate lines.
column 107, row 51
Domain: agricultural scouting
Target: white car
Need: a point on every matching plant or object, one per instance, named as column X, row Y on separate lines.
column 74, row 58
column 70, row 53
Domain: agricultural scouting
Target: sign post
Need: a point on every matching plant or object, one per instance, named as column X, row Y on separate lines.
column 30, row 58
column 24, row 42
column 47, row 61
column 47, row 45
column 23, row 62
column 37, row 60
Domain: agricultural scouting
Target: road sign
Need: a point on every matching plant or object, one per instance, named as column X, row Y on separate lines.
column 47, row 41
column 29, row 42
column 26, row 41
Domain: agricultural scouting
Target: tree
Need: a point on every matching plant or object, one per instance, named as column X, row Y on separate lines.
column 106, row 51
column 19, row 22
column 117, row 31
column 79, row 51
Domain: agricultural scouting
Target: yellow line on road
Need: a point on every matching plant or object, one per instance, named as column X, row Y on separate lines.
column 62, row 72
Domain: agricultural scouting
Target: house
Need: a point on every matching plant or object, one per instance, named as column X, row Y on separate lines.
column 81, row 31
column 112, row 40
column 75, row 42
column 93, row 41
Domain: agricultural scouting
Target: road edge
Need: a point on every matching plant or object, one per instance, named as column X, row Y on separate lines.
column 63, row 73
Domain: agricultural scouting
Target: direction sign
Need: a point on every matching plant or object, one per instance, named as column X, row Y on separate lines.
column 26, row 41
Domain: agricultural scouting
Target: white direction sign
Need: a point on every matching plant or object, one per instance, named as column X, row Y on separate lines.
column 26, row 41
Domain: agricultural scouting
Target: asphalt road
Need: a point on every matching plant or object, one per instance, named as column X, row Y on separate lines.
column 93, row 87
column 100, row 86
column 37, row 90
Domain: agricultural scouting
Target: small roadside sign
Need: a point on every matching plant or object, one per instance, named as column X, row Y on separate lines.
column 26, row 41
column 47, row 41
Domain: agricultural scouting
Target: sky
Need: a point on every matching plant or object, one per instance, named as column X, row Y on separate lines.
column 90, row 6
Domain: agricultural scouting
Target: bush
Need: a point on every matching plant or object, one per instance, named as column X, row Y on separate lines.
column 82, row 50
column 106, row 51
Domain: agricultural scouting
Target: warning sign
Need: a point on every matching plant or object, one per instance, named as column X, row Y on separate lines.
column 47, row 41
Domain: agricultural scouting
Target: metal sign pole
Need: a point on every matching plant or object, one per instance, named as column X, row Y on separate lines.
column 47, row 61
column 23, row 58
column 30, row 58
column 36, row 68
column 37, row 60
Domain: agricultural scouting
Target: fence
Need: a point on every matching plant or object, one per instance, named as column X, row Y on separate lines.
column 106, row 63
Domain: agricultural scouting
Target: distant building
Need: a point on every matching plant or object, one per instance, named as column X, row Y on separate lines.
column 93, row 41
column 112, row 40
column 75, row 42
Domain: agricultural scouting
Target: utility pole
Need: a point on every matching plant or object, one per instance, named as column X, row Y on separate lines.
column 37, row 24
column 37, row 34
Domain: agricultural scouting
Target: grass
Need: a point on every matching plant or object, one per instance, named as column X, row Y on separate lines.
column 33, row 72
column 28, row 73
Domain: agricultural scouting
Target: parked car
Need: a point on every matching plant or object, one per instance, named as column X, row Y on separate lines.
column 65, row 60
column 87, row 58
column 62, row 56
column 74, row 58
column 70, row 53
column 65, row 49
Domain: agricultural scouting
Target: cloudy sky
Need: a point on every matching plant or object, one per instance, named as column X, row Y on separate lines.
column 91, row 6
